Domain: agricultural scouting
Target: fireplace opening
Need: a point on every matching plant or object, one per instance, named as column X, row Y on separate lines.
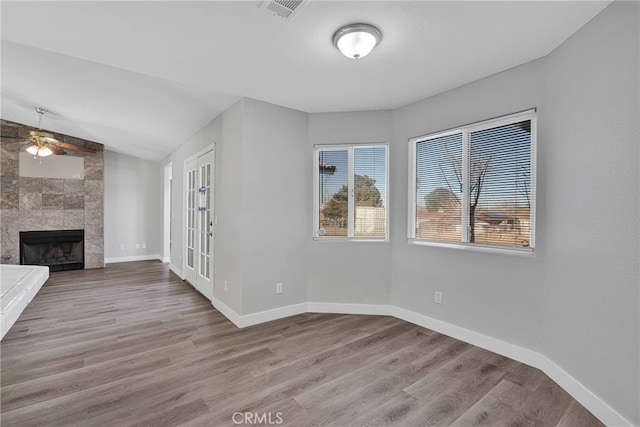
column 57, row 249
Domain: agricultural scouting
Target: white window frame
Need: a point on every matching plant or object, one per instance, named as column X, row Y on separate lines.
column 466, row 131
column 350, row 148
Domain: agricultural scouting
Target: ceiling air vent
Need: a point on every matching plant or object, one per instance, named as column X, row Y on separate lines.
column 283, row 8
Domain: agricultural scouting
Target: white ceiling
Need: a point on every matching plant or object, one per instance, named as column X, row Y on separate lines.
column 141, row 75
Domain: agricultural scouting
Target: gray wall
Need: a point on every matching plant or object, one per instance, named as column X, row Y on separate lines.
column 261, row 185
column 495, row 294
column 228, row 207
column 576, row 300
column 590, row 245
column 133, row 206
column 347, row 272
column 275, row 214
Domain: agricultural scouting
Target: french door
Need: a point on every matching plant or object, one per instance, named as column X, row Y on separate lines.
column 199, row 174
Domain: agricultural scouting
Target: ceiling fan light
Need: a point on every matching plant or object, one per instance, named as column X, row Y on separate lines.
column 41, row 134
column 33, row 150
column 356, row 41
column 44, row 152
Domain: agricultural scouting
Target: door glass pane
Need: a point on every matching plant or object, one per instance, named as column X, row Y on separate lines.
column 205, row 219
column 191, row 212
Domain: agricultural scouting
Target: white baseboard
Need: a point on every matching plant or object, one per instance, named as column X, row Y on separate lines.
column 347, row 308
column 131, row 258
column 582, row 394
column 598, row 407
column 177, row 271
column 228, row 312
column 503, row 348
column 166, row 259
column 243, row 321
column 274, row 314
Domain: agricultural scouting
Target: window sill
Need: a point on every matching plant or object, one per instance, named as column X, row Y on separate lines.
column 348, row 239
column 475, row 248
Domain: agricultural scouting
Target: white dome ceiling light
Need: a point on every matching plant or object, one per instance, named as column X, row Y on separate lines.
column 355, row 41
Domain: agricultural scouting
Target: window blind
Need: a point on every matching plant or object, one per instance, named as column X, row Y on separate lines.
column 439, row 188
column 351, row 191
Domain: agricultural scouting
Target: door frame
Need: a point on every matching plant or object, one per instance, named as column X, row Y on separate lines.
column 194, row 156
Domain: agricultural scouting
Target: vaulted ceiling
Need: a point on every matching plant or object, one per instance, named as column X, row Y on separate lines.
column 142, row 77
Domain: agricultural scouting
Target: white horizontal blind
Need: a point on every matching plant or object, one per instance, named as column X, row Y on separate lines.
column 500, row 185
column 439, row 188
column 333, row 192
column 370, row 182
column 351, row 192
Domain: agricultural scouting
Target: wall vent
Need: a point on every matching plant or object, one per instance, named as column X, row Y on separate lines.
column 283, row 8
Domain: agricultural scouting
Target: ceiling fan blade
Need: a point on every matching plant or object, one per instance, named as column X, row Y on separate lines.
column 55, row 149
column 74, row 147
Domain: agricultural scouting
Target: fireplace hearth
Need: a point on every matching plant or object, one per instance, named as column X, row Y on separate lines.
column 57, row 249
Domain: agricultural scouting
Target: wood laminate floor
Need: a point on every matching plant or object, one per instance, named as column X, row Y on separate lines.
column 132, row 344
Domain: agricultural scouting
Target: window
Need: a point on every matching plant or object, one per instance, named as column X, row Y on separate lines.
column 475, row 185
column 351, row 196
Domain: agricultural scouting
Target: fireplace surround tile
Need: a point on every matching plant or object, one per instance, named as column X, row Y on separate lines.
column 73, row 219
column 73, row 186
column 53, row 186
column 52, row 219
column 53, row 201
column 93, row 217
column 94, row 231
column 9, row 238
column 30, row 185
column 9, row 184
column 94, row 260
column 8, row 164
column 9, row 200
column 30, row 219
column 30, row 201
column 74, row 201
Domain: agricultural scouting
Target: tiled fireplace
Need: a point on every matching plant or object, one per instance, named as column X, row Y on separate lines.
column 38, row 204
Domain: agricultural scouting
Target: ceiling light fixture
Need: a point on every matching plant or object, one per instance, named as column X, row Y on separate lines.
column 355, row 41
column 39, row 149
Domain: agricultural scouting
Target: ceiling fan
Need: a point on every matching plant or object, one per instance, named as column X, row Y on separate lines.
column 44, row 143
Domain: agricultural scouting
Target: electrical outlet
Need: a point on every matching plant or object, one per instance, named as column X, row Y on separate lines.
column 144, row 245
column 226, row 286
column 121, row 246
column 437, row 298
column 137, row 245
column 278, row 288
